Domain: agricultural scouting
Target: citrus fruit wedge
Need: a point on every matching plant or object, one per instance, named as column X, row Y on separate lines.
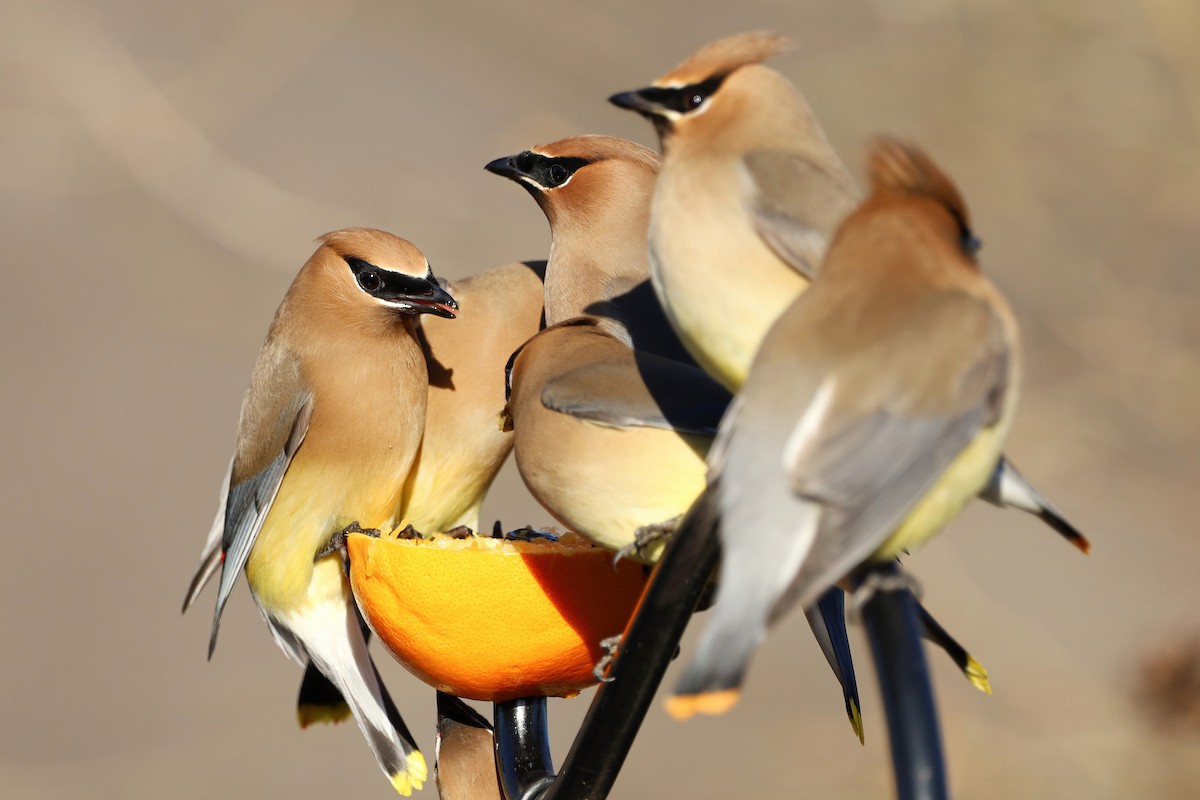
column 494, row 619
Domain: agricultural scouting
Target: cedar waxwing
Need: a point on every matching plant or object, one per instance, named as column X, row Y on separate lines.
column 611, row 432
column 465, row 756
column 884, row 393
column 328, row 431
column 463, row 447
column 612, row 427
column 749, row 193
column 748, row 178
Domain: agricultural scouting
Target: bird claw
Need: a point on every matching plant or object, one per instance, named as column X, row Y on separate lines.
column 610, row 645
column 460, row 532
column 354, row 527
column 898, row 581
column 337, row 544
column 645, row 536
column 409, row 532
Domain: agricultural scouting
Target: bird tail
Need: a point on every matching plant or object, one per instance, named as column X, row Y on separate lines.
column 828, row 622
column 712, row 683
column 750, row 594
column 971, row 669
column 319, row 700
column 1009, row 489
column 333, row 639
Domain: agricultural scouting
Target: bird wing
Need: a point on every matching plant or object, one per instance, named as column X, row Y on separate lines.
column 870, row 453
column 626, row 388
column 210, row 556
column 796, row 204
column 275, row 418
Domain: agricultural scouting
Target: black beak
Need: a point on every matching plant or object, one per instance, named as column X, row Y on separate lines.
column 505, row 167
column 433, row 300
column 634, row 101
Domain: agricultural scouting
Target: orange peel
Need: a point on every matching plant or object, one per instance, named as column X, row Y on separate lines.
column 494, row 619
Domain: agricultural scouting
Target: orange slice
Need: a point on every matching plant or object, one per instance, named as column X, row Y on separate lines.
column 491, row 619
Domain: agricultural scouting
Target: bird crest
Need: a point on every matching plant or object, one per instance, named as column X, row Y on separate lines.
column 899, row 168
column 726, row 55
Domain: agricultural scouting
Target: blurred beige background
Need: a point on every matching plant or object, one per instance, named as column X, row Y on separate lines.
column 164, row 168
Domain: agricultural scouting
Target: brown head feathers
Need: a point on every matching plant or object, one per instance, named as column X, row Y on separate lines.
column 594, row 147
column 725, row 55
column 377, row 247
column 899, row 168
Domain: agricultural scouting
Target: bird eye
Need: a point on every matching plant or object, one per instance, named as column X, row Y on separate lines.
column 971, row 243
column 370, row 281
column 689, row 98
column 558, row 174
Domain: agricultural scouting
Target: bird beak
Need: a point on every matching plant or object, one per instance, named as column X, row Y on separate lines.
column 634, row 101
column 436, row 301
column 505, row 167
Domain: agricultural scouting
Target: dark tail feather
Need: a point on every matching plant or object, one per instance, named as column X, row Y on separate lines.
column 1007, row 488
column 972, row 669
column 828, row 622
column 465, row 767
column 452, row 709
column 319, row 701
column 1064, row 528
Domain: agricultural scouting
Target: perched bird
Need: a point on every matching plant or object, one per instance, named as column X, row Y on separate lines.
column 612, row 420
column 876, row 408
column 749, row 184
column 463, row 447
column 749, row 194
column 465, row 765
column 329, row 429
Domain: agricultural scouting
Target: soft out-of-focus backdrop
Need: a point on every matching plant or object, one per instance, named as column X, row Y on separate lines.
column 164, row 168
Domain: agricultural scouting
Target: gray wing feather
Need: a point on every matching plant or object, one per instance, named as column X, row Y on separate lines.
column 867, row 467
column 901, row 465
column 796, row 204
column 646, row 391
column 210, row 556
column 247, row 507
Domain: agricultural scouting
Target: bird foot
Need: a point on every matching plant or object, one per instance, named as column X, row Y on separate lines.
column 610, row 645
column 354, row 527
column 409, row 532
column 337, row 544
column 461, row 532
column 645, row 536
column 898, row 581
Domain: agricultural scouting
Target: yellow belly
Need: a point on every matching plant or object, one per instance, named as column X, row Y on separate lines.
column 621, row 480
column 723, row 288
column 967, row 474
column 313, row 503
column 446, row 491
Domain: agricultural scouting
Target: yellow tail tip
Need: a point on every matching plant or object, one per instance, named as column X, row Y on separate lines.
column 417, row 767
column 685, row 706
column 321, row 715
column 977, row 675
column 414, row 774
column 857, row 723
